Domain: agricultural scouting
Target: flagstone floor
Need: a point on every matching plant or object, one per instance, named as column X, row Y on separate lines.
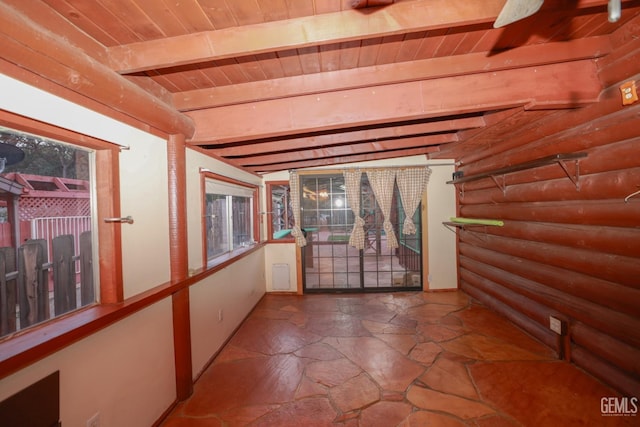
column 391, row 359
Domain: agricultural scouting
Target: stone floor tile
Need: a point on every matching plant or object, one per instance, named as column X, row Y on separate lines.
column 439, row 333
column 450, row 377
column 425, row 353
column 319, row 351
column 542, row 393
column 376, row 312
column 458, row 299
column 388, row 367
column 355, row 393
column 403, row 343
column 481, row 347
column 193, row 422
column 341, row 360
column 268, row 313
column 231, row 353
column 270, row 336
column 431, row 313
column 332, row 372
column 486, row 322
column 247, row 382
column 435, row 401
column 496, row 421
column 239, row 417
column 385, row 414
column 336, row 325
column 313, row 412
column 430, row 419
column 386, row 328
column 309, row 388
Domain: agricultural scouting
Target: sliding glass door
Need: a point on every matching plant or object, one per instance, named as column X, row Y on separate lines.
column 331, row 264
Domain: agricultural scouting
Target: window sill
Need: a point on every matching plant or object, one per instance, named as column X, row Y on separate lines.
column 229, row 257
column 26, row 347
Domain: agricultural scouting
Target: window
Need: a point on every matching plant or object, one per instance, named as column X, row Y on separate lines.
column 230, row 223
column 46, row 229
column 279, row 211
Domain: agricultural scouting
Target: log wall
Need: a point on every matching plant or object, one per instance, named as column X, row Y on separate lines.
column 567, row 251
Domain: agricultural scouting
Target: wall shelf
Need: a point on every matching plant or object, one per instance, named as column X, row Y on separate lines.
column 498, row 175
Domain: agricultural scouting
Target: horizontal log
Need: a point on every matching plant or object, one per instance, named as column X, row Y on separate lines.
column 622, row 62
column 617, row 269
column 602, row 186
column 547, row 126
column 609, row 240
column 622, row 355
column 623, row 326
column 602, row 213
column 611, row 157
column 571, row 284
column 514, row 316
column 613, row 124
column 605, row 372
column 602, row 132
column 532, row 311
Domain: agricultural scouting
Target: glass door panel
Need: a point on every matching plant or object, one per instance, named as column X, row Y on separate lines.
column 331, row 264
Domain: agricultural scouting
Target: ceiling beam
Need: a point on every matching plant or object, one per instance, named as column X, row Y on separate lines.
column 346, row 150
column 562, row 85
column 366, row 135
column 317, row 30
column 344, row 159
column 344, row 26
column 525, row 56
column 42, row 52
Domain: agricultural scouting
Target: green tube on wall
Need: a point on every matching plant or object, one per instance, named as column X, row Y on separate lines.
column 477, row 221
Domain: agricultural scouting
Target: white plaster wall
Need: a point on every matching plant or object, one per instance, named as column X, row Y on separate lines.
column 235, row 290
column 281, row 253
column 125, row 372
column 441, row 206
column 144, row 195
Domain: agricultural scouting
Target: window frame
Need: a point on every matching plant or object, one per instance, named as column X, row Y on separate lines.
column 255, row 222
column 28, row 345
column 270, row 212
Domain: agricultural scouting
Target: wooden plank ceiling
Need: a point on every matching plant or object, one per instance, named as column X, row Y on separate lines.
column 280, row 84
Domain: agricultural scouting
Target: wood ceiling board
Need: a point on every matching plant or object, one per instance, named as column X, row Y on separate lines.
column 218, row 13
column 346, row 150
column 344, row 159
column 393, row 73
column 168, row 23
column 349, row 137
column 345, row 26
column 44, row 16
column 557, row 83
column 72, row 69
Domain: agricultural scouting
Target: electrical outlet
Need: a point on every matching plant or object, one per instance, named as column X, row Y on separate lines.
column 94, row 421
column 555, row 325
column 629, row 92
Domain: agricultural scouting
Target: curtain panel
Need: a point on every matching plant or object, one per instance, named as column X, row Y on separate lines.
column 411, row 184
column 352, row 179
column 294, row 188
column 382, row 182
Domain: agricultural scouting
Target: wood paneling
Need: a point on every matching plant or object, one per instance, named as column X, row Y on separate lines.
column 572, row 253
